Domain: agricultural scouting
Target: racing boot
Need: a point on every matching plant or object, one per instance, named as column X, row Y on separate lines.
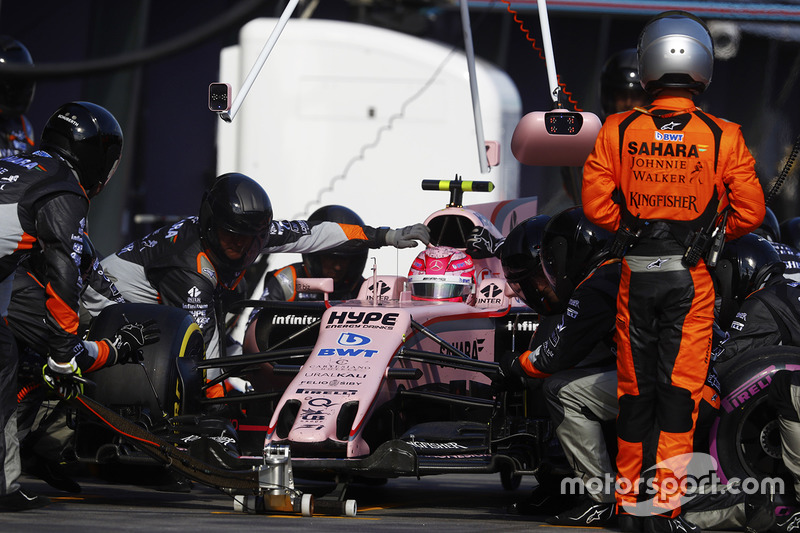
column 546, row 498
column 52, row 472
column 787, row 521
column 759, row 512
column 662, row 524
column 588, row 513
column 54, row 475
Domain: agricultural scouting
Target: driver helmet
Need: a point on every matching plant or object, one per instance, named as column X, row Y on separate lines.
column 352, row 258
column 234, row 207
column 620, row 86
column 89, row 139
column 442, row 273
column 571, row 248
column 745, row 265
column 16, row 94
column 520, row 256
column 769, row 229
column 675, row 50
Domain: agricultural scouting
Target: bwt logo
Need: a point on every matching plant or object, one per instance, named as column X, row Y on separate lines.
column 673, row 137
column 353, row 339
column 345, row 352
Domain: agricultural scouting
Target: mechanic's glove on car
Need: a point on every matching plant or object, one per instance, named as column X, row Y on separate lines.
column 64, row 378
column 482, row 244
column 511, row 371
column 407, row 237
column 129, row 339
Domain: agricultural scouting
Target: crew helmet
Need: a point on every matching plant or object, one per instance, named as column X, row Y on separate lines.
column 769, row 229
column 675, row 51
column 620, row 81
column 89, row 138
column 357, row 254
column 16, row 94
column 237, row 204
column 790, row 232
column 571, row 247
column 744, row 266
column 442, row 273
column 520, row 256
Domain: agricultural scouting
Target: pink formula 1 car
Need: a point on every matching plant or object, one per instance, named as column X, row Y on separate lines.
column 385, row 386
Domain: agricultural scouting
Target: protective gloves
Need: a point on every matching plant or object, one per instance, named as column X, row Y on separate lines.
column 407, row 237
column 482, row 244
column 511, row 372
column 64, row 378
column 129, row 339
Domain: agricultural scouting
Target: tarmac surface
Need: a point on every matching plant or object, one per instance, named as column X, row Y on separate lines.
column 444, row 503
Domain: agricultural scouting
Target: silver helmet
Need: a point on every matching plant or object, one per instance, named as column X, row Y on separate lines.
column 675, row 51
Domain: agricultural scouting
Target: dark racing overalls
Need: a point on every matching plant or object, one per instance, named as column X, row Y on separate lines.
column 768, row 317
column 577, row 401
column 42, row 211
column 41, row 419
column 583, row 334
column 665, row 171
column 170, row 266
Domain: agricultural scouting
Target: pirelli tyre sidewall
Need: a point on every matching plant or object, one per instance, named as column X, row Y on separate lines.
column 161, row 385
column 745, row 438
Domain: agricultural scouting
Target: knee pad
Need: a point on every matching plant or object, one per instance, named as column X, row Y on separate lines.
column 779, row 395
column 635, row 419
column 675, row 409
column 553, row 385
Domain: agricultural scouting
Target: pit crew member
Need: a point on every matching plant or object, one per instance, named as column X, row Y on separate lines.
column 191, row 263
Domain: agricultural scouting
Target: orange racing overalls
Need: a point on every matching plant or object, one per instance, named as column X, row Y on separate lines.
column 665, row 170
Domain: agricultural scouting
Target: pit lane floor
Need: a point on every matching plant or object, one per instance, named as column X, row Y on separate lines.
column 445, row 503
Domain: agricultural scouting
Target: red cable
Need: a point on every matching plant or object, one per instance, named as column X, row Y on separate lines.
column 541, row 53
column 24, row 391
column 109, row 424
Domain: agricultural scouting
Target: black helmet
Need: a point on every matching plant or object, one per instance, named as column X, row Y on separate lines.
column 16, row 94
column 89, row 138
column 790, row 232
column 769, row 228
column 571, row 247
column 357, row 254
column 620, row 81
column 675, row 51
column 744, row 265
column 236, row 204
column 520, row 255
